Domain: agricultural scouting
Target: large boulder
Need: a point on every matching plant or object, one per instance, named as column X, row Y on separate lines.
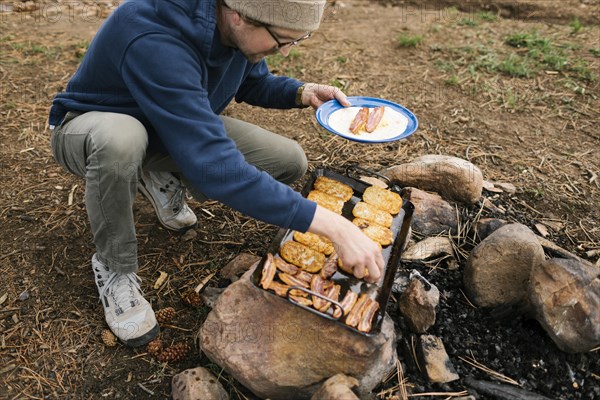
column 280, row 351
column 497, row 271
column 565, row 299
column 452, row 177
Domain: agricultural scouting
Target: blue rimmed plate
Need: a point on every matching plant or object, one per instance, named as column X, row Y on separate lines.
column 397, row 122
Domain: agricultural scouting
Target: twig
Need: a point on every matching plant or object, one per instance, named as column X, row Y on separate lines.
column 401, row 381
column 176, row 327
column 503, row 392
column 8, row 254
column 203, row 283
column 447, row 394
column 466, row 298
column 489, row 371
column 549, row 245
column 145, row 389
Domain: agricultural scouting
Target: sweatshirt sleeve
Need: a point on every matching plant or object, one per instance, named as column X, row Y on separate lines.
column 167, row 87
column 262, row 88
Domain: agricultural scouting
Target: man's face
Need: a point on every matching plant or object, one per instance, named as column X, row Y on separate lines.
column 257, row 42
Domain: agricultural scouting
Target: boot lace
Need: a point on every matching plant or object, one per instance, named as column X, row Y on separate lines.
column 122, row 289
column 175, row 192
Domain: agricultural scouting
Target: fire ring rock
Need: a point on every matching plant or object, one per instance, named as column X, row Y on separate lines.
column 498, row 269
column 280, row 351
column 565, row 298
column 452, row 177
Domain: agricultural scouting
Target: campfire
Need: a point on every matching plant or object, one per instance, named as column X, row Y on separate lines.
column 289, row 340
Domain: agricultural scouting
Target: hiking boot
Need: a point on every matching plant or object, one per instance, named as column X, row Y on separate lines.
column 128, row 315
column 167, row 195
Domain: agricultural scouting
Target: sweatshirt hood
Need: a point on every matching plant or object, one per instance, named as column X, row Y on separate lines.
column 194, row 19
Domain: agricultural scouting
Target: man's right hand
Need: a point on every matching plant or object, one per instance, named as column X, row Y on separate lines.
column 354, row 248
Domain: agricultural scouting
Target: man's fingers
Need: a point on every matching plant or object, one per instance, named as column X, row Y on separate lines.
column 359, row 271
column 341, row 97
column 374, row 273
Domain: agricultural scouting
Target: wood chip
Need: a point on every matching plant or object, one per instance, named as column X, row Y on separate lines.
column 507, row 187
column 556, row 226
column 541, row 228
column 489, row 186
column 161, row 280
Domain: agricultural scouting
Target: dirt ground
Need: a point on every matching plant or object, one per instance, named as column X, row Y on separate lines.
column 511, row 86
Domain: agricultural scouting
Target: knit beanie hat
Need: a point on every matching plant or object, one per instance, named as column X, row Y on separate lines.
column 299, row 15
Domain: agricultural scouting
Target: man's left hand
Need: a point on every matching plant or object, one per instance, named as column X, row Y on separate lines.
column 314, row 95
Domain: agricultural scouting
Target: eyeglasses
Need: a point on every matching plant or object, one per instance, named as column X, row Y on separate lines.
column 286, row 44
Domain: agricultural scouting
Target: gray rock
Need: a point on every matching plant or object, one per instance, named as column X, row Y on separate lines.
column 417, row 305
column 497, row 271
column 431, row 247
column 452, row 177
column 432, row 214
column 486, row 226
column 435, row 360
column 338, row 387
column 565, row 299
column 197, row 384
column 280, row 351
column 240, row 264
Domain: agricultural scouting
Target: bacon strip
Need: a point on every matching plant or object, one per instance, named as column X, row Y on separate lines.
column 301, row 300
column 334, row 294
column 279, row 288
column 268, row 272
column 368, row 313
column 359, row 120
column 353, row 317
column 285, row 267
column 317, row 285
column 292, row 281
column 304, row 276
column 374, row 119
column 347, row 304
column 330, row 267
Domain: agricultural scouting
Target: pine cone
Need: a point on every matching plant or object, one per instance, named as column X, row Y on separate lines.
column 165, row 315
column 109, row 338
column 174, row 353
column 192, row 298
column 155, row 347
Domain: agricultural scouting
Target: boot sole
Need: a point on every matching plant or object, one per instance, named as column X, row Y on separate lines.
column 147, row 195
column 144, row 339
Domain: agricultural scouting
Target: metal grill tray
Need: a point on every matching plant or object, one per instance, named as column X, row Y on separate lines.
column 380, row 291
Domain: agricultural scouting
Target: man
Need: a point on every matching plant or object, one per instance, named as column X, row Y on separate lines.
column 143, row 111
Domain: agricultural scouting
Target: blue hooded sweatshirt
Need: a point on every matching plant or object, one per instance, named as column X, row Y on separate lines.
column 162, row 62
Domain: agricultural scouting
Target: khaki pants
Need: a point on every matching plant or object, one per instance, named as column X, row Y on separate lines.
column 110, row 150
